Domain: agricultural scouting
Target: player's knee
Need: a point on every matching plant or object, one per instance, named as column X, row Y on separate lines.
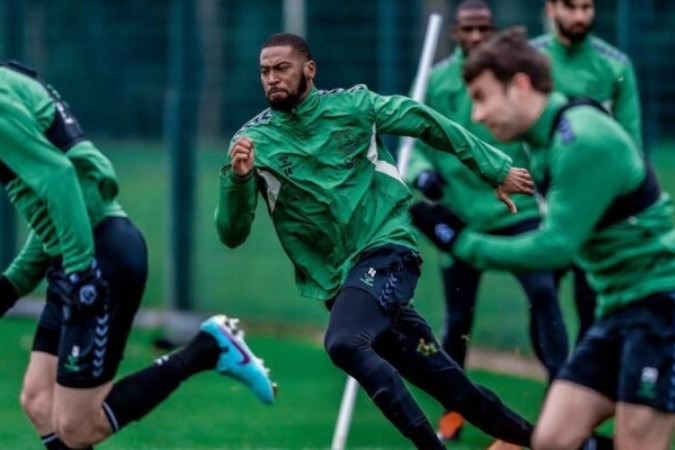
column 37, row 404
column 343, row 348
column 549, row 439
column 76, row 434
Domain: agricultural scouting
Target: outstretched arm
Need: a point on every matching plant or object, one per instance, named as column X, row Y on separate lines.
column 571, row 217
column 403, row 116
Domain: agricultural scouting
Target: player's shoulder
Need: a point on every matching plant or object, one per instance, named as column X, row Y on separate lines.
column 445, row 64
column 608, row 51
column 443, row 67
column 357, row 89
column 257, row 122
column 17, row 81
column 543, row 42
column 586, row 125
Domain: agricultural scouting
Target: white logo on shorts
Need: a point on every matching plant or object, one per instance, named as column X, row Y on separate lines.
column 649, row 375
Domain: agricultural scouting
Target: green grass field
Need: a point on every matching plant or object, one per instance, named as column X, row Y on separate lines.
column 212, row 412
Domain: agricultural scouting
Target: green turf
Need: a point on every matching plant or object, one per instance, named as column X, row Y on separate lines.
column 212, row 412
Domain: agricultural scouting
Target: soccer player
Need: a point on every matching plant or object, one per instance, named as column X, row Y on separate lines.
column 340, row 209
column 606, row 211
column 473, row 201
column 584, row 65
column 95, row 263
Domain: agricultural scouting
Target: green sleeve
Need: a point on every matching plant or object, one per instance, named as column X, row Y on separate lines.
column 420, row 158
column 52, row 177
column 571, row 216
column 626, row 104
column 403, row 116
column 236, row 207
column 29, row 266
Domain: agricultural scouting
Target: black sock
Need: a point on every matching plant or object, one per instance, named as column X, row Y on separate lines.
column 597, row 442
column 52, row 442
column 136, row 395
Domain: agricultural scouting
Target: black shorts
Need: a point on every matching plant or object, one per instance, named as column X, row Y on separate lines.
column 122, row 256
column 389, row 273
column 629, row 356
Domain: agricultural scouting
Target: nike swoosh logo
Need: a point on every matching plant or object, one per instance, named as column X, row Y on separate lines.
column 246, row 359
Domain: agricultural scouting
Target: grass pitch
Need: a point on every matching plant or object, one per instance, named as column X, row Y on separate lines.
column 214, row 412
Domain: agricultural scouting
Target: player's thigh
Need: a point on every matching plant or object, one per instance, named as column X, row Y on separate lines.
column 41, row 372
column 639, row 426
column 570, row 414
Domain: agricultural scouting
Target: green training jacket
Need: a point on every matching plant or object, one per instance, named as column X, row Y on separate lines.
column 590, row 161
column 593, row 68
column 466, row 194
column 60, row 195
column 331, row 187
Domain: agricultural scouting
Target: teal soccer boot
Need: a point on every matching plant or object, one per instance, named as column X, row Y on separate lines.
column 236, row 358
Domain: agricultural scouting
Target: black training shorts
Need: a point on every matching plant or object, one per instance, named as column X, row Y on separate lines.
column 629, row 355
column 122, row 257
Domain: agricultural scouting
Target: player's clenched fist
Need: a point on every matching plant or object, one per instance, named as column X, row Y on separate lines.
column 242, row 156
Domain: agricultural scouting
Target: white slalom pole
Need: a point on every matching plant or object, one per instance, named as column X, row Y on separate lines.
column 345, row 415
column 419, row 90
column 420, row 87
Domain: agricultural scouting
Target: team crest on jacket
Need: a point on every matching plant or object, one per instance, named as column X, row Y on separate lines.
column 345, row 140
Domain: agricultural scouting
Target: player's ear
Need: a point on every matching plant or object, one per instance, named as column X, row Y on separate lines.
column 310, row 69
column 522, row 82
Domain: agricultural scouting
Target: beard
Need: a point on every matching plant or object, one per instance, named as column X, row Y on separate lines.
column 292, row 98
column 575, row 35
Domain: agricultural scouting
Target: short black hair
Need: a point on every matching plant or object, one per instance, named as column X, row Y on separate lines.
column 472, row 4
column 294, row 41
column 567, row 2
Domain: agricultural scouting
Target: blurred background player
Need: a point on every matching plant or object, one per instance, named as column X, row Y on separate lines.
column 340, row 209
column 622, row 236
column 443, row 178
column 584, row 65
column 95, row 263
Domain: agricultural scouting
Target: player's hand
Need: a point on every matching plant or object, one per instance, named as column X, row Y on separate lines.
column 8, row 295
column 517, row 181
column 431, row 184
column 242, row 156
column 438, row 223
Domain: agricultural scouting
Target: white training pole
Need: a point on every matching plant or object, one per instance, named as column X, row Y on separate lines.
column 419, row 90
column 345, row 415
column 420, row 87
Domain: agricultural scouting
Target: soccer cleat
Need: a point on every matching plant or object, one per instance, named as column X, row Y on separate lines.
column 236, row 358
column 503, row 445
column 450, row 426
